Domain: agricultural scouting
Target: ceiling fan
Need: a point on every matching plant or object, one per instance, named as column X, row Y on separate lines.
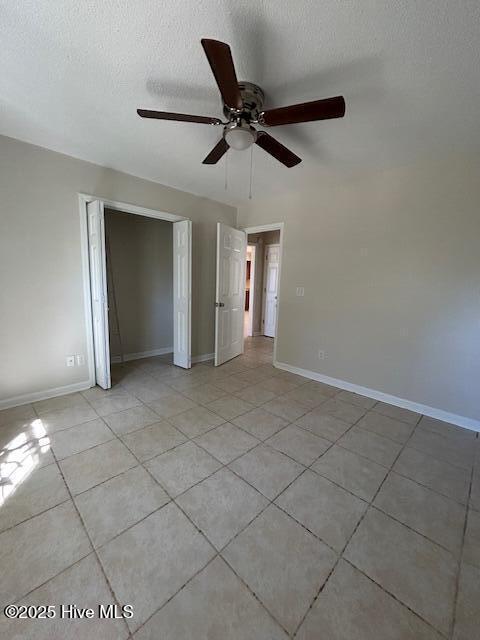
column 243, row 107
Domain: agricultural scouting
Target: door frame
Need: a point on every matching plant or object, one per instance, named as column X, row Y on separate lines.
column 265, row 272
column 124, row 207
column 274, row 226
column 251, row 298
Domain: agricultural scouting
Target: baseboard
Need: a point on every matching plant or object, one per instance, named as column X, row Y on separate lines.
column 27, row 398
column 203, row 358
column 432, row 412
column 141, row 354
column 36, row 396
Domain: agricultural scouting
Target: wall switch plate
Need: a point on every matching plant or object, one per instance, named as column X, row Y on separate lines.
column 70, row 360
column 300, row 291
column 80, row 360
column 321, row 354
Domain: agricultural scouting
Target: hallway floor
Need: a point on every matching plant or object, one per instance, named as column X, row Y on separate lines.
column 238, row 503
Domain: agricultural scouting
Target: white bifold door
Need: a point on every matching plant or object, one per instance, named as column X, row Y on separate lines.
column 182, row 292
column 270, row 289
column 230, row 292
column 98, row 289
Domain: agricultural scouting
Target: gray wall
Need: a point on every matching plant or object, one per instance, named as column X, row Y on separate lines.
column 141, row 259
column 42, row 317
column 390, row 262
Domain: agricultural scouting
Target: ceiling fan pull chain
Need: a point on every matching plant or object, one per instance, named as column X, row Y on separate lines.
column 226, row 171
column 251, row 172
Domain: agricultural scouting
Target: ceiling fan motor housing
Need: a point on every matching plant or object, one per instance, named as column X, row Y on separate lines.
column 253, row 99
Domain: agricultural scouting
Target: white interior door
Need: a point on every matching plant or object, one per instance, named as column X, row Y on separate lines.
column 182, row 293
column 98, row 288
column 252, row 251
column 270, row 289
column 230, row 292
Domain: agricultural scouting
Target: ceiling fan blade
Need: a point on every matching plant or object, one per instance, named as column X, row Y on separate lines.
column 217, row 152
column 305, row 112
column 277, row 149
column 220, row 58
column 179, row 117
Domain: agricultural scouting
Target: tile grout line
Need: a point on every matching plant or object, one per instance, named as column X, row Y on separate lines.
column 341, row 554
column 450, row 464
column 172, row 500
column 259, row 406
column 94, row 551
column 270, row 502
column 192, row 439
column 419, row 533
column 189, row 439
column 438, row 493
column 170, row 598
column 28, row 593
column 170, row 496
column 40, row 513
column 260, row 442
column 218, row 553
column 373, row 506
column 94, row 446
column 460, row 557
column 255, row 489
column 394, row 597
column 57, row 462
column 224, row 465
column 405, row 446
column 390, row 470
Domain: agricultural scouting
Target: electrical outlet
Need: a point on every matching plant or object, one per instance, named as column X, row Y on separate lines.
column 300, row 291
column 70, row 360
column 80, row 359
column 321, row 354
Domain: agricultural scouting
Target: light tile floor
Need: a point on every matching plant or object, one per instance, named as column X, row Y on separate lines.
column 234, row 503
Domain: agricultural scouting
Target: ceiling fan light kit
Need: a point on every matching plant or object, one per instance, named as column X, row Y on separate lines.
column 239, row 136
column 243, row 104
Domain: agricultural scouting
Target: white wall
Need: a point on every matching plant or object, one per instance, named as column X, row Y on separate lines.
column 141, row 259
column 41, row 292
column 390, row 263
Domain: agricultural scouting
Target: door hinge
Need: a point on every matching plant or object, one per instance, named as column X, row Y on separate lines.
column 219, row 304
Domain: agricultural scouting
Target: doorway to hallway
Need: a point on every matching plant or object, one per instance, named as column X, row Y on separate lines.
column 262, row 283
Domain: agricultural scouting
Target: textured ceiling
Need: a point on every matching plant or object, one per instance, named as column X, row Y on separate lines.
column 75, row 71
